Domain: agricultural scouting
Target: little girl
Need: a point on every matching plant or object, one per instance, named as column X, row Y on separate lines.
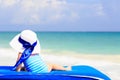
column 28, row 47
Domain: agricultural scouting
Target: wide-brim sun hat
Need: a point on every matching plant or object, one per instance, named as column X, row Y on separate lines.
column 27, row 35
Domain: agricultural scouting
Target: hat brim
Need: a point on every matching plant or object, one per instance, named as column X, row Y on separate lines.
column 15, row 44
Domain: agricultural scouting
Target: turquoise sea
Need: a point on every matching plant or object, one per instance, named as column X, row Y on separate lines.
column 76, row 42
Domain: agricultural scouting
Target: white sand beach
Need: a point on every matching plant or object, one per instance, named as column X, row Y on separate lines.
column 108, row 64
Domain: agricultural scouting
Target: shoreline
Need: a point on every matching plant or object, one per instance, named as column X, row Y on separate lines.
column 114, row 58
column 111, row 58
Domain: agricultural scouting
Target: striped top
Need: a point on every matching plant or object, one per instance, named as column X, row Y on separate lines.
column 35, row 64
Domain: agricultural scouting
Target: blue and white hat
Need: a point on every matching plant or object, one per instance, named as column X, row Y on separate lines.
column 28, row 36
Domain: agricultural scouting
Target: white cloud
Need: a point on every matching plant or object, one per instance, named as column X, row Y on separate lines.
column 34, row 19
column 45, row 10
column 8, row 3
column 49, row 11
column 94, row 10
column 99, row 10
column 112, row 8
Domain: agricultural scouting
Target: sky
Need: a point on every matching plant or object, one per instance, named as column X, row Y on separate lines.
column 60, row 15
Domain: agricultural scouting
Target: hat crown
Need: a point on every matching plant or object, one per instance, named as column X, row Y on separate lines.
column 28, row 36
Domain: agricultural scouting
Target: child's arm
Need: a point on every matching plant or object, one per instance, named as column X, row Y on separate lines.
column 20, row 66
